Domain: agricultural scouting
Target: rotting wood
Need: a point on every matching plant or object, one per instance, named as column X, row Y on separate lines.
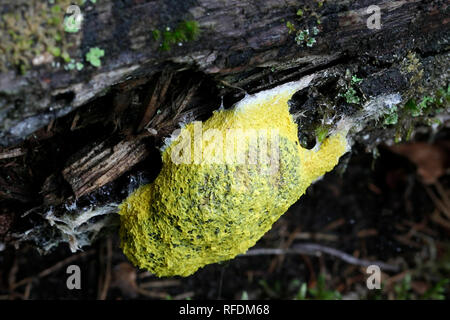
column 244, row 47
column 240, row 42
column 156, row 98
column 12, row 153
column 102, row 164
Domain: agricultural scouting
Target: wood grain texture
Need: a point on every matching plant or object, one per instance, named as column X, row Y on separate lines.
column 239, row 42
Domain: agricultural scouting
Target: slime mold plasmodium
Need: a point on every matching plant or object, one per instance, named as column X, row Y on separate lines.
column 209, row 209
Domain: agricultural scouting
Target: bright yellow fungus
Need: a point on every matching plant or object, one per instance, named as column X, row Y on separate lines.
column 223, row 184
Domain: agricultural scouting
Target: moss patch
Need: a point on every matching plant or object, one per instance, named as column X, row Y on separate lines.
column 184, row 32
column 94, row 57
column 306, row 25
column 31, row 28
column 418, row 111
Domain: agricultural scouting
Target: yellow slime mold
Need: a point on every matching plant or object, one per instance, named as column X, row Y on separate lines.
column 209, row 206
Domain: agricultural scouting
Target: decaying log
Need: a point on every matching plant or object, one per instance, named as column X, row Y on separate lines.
column 102, row 164
column 155, row 99
column 240, row 41
column 54, row 120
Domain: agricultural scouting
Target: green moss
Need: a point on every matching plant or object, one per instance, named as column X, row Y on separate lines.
column 308, row 21
column 429, row 104
column 321, row 292
column 310, row 42
column 355, row 80
column 351, row 96
column 71, row 24
column 72, row 65
column 291, row 27
column 437, row 292
column 412, row 67
column 306, row 37
column 94, row 57
column 156, row 34
column 184, row 32
column 418, row 111
column 65, row 56
column 31, row 28
column 322, row 133
column 442, row 97
column 392, row 117
column 55, row 51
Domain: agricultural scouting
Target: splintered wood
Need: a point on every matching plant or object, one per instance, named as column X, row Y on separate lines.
column 102, row 164
column 156, row 98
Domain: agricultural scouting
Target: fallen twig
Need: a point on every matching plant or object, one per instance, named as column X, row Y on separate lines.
column 438, row 202
column 160, row 284
column 317, row 250
column 26, row 294
column 12, row 153
column 107, row 279
column 278, row 261
column 444, row 194
column 152, row 294
column 184, row 296
column 316, row 236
